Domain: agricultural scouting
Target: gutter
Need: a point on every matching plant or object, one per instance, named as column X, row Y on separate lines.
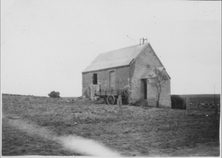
column 84, row 72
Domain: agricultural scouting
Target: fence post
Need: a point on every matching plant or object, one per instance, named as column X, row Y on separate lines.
column 119, row 103
column 188, row 106
column 216, row 108
column 92, row 92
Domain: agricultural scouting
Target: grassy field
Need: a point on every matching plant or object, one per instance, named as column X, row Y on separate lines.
column 138, row 132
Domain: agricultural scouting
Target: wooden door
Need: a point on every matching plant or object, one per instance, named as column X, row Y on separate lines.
column 112, row 79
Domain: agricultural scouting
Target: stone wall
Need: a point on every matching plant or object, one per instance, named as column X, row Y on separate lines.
column 147, row 59
column 165, row 95
column 121, row 79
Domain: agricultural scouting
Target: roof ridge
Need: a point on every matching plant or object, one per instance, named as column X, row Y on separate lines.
column 124, row 48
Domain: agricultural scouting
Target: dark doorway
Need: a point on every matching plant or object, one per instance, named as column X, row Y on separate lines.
column 144, row 85
column 95, row 78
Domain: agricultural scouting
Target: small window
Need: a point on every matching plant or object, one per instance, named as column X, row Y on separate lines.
column 94, row 78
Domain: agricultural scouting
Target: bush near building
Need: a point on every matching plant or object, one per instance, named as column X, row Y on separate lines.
column 177, row 102
column 54, row 94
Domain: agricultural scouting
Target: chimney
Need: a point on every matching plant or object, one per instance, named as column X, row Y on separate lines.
column 142, row 40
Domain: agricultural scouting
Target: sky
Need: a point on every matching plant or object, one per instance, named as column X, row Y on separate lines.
column 46, row 44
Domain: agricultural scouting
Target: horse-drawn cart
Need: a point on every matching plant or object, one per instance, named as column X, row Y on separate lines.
column 111, row 96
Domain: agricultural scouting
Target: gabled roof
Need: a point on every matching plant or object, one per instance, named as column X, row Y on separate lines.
column 116, row 58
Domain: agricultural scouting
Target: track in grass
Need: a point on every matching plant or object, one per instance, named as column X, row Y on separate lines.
column 71, row 143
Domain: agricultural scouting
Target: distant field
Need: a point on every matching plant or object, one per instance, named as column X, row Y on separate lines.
column 31, row 123
column 202, row 97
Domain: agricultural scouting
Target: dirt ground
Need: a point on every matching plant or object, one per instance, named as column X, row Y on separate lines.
column 137, row 132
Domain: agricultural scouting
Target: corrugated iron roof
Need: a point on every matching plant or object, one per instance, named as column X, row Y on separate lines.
column 116, row 58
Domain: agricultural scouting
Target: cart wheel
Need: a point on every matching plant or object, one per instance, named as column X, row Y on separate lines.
column 110, row 100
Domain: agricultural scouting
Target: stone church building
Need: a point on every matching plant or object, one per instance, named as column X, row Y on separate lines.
column 127, row 67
